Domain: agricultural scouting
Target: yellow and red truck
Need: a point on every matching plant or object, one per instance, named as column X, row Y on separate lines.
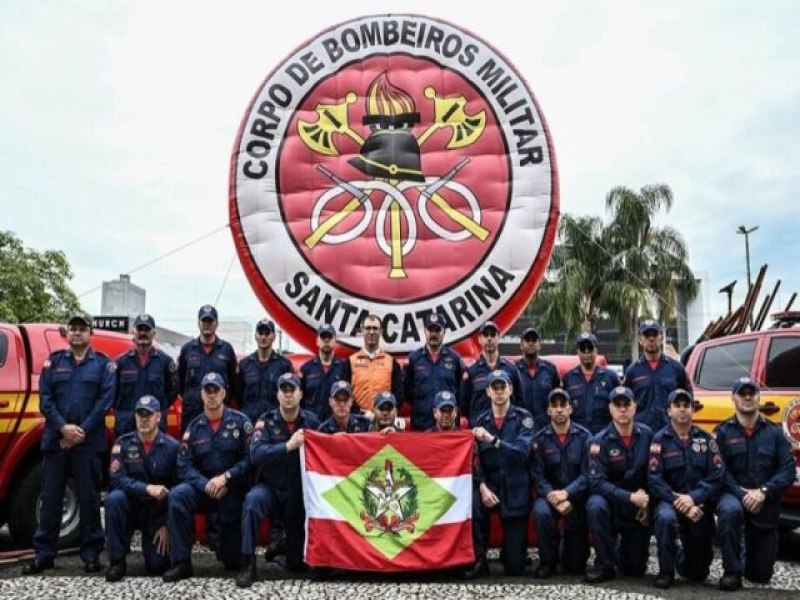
column 769, row 356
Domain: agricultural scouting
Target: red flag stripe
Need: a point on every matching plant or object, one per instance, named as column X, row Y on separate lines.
column 341, row 454
column 440, row 547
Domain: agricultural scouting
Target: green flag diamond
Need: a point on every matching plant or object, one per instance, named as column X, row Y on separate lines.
column 389, row 501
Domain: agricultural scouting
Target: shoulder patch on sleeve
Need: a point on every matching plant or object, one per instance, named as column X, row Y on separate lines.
column 527, row 422
column 248, row 427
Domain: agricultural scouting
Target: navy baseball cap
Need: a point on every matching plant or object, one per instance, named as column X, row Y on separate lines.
column 499, row 375
column 207, row 312
column 148, row 403
column 384, row 398
column 530, row 333
column 680, row 394
column 744, row 382
column 557, row 393
column 144, row 319
column 265, row 324
column 212, row 378
column 586, row 338
column 621, row 392
column 649, row 325
column 444, row 398
column 433, row 320
column 289, row 379
column 326, row 328
column 80, row 317
column 341, row 387
column 489, row 325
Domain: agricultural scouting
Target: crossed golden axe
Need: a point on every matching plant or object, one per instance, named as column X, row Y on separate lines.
column 334, row 119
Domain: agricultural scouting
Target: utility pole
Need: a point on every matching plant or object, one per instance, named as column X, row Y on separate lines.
column 746, row 233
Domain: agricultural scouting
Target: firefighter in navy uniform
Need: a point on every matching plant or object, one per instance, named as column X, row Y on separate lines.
column 214, row 469
column 618, row 505
column 342, row 419
column 318, row 375
column 143, row 469
column 385, row 419
column 653, row 376
column 537, row 375
column 588, row 385
column 76, row 389
column 758, row 466
column 143, row 371
column 274, row 453
column 256, row 381
column 445, row 413
column 206, row 353
column 684, row 476
column 473, row 394
column 431, row 369
column 559, row 462
column 504, row 435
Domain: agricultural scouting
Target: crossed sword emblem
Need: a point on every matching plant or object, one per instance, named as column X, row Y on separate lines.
column 449, row 114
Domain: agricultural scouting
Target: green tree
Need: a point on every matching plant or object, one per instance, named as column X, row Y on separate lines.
column 627, row 268
column 33, row 285
column 578, row 291
column 648, row 263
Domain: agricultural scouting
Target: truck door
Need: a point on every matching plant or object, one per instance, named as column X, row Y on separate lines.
column 12, row 384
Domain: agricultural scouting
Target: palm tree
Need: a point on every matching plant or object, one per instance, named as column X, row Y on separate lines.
column 648, row 263
column 627, row 269
column 577, row 292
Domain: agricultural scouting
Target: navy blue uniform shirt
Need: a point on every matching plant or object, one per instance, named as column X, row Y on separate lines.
column 76, row 394
column 590, row 398
column 424, row 378
column 257, row 383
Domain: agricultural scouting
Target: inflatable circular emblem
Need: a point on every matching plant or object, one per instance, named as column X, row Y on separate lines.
column 791, row 422
column 398, row 166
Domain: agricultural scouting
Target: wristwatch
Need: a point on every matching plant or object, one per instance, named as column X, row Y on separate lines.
column 228, row 475
column 763, row 489
column 496, row 442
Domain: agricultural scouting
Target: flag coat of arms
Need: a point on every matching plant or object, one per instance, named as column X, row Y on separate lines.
column 388, row 503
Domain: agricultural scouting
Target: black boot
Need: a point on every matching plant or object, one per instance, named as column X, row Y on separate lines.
column 247, row 574
column 276, row 547
column 35, row 567
column 730, row 582
column 116, row 571
column 476, row 571
column 598, row 574
column 664, row 580
column 178, row 571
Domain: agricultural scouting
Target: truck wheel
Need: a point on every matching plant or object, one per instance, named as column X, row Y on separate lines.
column 24, row 505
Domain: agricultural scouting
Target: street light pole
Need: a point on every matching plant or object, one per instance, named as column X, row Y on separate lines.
column 746, row 232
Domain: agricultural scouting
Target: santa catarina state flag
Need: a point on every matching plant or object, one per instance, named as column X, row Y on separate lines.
column 388, row 503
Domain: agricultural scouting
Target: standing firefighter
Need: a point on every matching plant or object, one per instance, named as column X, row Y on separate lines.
column 143, row 371
column 76, row 388
column 205, row 354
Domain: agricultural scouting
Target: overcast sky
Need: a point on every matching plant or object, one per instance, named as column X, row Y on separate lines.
column 117, row 121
